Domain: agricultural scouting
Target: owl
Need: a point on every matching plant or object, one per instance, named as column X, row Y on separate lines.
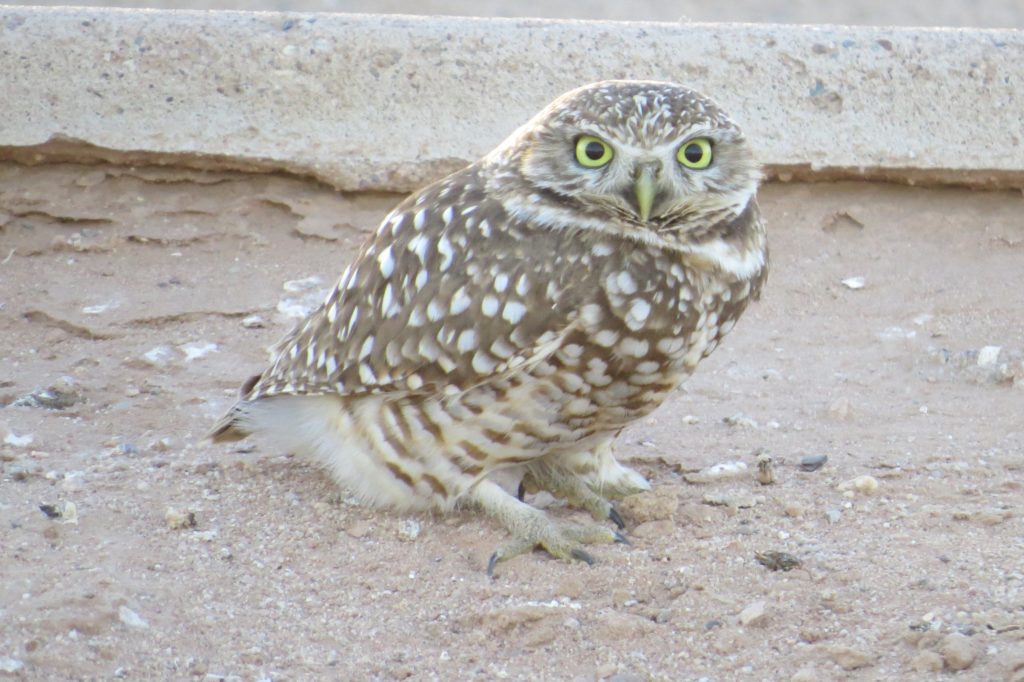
column 505, row 323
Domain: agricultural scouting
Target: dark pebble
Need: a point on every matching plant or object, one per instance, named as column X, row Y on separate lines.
column 813, row 463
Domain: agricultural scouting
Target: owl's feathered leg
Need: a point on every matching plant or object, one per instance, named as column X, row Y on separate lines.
column 532, row 528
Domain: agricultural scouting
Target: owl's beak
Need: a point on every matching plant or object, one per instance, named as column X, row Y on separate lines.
column 644, row 188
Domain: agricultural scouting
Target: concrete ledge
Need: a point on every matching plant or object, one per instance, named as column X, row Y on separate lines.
column 385, row 103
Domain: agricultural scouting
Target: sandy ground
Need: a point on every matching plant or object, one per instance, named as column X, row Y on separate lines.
column 133, row 302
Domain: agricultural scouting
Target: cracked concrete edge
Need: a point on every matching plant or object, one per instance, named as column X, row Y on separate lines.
column 387, row 103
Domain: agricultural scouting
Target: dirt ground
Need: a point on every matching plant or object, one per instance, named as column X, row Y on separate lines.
column 134, row 301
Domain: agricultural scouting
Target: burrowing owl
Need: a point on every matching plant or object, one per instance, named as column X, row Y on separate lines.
column 505, row 323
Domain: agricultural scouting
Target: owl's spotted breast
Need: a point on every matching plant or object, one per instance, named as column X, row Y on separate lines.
column 644, row 316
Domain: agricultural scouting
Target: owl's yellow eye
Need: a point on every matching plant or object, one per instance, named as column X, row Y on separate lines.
column 592, row 152
column 695, row 154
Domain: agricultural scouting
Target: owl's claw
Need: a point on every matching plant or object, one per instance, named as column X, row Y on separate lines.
column 615, row 517
column 491, row 563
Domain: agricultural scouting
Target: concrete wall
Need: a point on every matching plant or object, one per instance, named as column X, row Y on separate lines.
column 386, row 103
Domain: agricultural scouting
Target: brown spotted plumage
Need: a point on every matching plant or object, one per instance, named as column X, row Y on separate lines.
column 504, row 323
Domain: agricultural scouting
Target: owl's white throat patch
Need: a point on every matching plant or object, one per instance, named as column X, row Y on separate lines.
column 743, row 262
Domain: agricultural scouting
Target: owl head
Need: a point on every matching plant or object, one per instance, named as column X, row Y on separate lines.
column 649, row 156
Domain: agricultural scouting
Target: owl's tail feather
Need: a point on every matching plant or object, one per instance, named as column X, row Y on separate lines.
column 228, row 429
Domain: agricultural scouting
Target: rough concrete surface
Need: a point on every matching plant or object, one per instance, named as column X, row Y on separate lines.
column 975, row 13
column 134, row 301
column 385, row 103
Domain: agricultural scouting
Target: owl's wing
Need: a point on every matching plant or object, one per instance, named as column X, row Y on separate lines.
column 449, row 294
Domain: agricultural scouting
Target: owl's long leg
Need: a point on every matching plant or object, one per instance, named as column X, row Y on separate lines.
column 532, row 528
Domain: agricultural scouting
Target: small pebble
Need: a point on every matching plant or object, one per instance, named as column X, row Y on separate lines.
column 867, row 485
column 98, row 309
column 813, row 463
column 51, row 511
column 854, row 282
column 927, row 662
column 754, row 614
column 253, row 322
column 57, row 397
column 741, row 420
column 197, row 350
column 162, row 444
column 793, row 510
column 737, row 499
column 988, row 356
column 833, row 515
column 619, row 626
column 849, row 658
column 65, row 511
column 358, row 529
column 777, row 561
column 69, row 513
column 160, row 356
column 18, row 441
column 22, row 472
column 765, row 470
column 653, row 505
column 74, row 482
column 840, row 408
column 10, row 665
column 409, row 529
column 717, row 472
column 177, row 520
column 131, row 619
column 958, row 651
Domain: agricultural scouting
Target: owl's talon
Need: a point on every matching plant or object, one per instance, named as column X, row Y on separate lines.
column 491, row 563
column 622, row 539
column 616, row 518
column 583, row 556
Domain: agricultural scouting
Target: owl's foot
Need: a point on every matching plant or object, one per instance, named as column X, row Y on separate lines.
column 570, row 487
column 561, row 541
column 532, row 528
